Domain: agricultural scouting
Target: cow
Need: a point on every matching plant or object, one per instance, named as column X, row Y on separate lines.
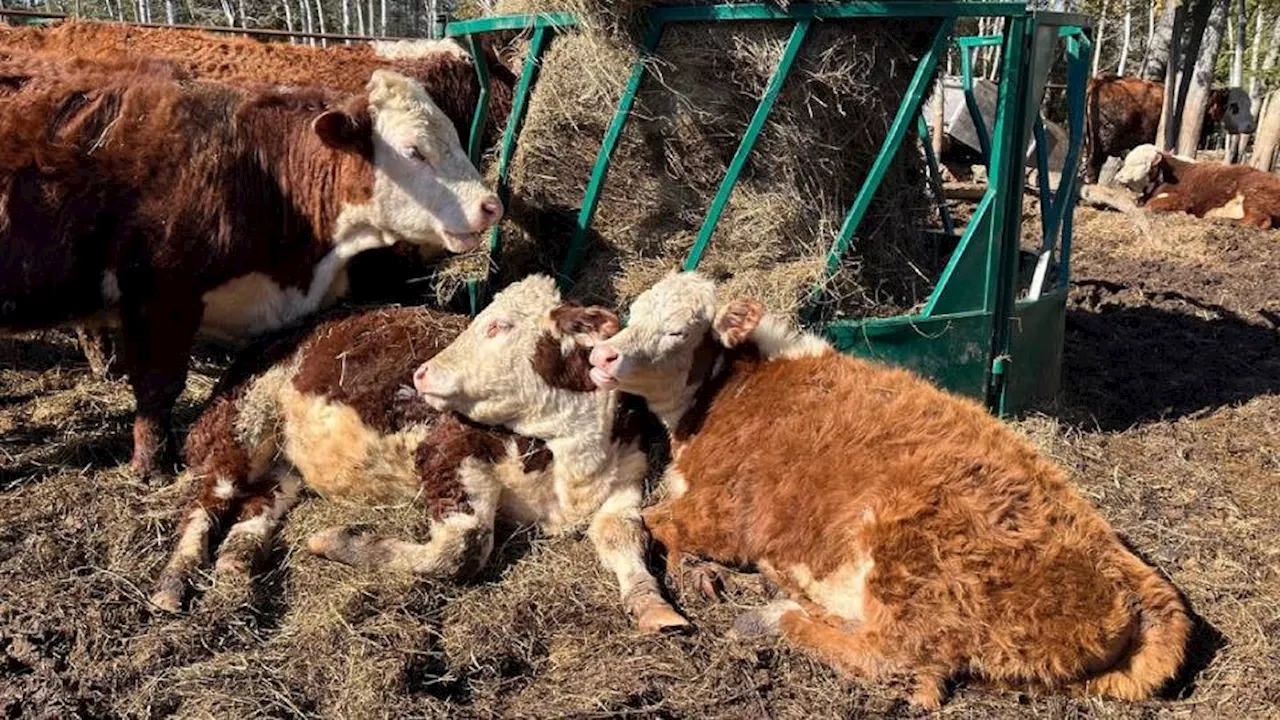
column 1167, row 183
column 442, row 66
column 170, row 206
column 1122, row 113
column 915, row 534
column 338, row 415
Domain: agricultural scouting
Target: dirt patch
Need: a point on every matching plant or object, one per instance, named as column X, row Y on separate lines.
column 1170, row 422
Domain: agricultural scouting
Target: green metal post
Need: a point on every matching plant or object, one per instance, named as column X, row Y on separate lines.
column 935, row 176
column 482, row 102
column 907, row 112
column 1078, row 53
column 971, row 102
column 1047, row 199
column 528, row 76
column 748, row 142
column 1006, row 173
column 601, row 167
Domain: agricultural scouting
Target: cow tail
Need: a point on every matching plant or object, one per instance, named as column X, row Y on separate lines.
column 1159, row 648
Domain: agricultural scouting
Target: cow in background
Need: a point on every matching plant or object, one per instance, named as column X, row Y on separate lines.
column 169, row 206
column 1122, row 113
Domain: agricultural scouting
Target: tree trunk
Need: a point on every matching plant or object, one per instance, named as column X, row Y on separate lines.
column 346, row 17
column 1268, row 137
column 1235, row 143
column 1159, row 44
column 1255, row 52
column 229, row 12
column 373, row 19
column 1201, row 76
column 307, row 24
column 288, row 18
column 170, row 12
column 1100, row 37
column 384, row 19
column 320, row 20
column 1167, row 129
column 1128, row 38
column 938, row 110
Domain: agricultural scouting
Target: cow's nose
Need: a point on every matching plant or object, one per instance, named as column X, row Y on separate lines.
column 491, row 210
column 421, row 379
column 603, row 356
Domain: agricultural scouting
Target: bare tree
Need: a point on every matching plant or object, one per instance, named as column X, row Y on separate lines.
column 288, row 17
column 170, row 12
column 1128, row 38
column 1159, row 42
column 229, row 12
column 1199, row 68
column 383, row 28
column 1100, row 36
column 1267, row 137
column 1235, row 143
column 346, row 17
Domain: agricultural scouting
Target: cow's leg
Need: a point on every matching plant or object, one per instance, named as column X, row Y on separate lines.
column 261, row 509
column 621, row 541
column 95, row 343
column 685, row 571
column 459, row 545
column 157, row 347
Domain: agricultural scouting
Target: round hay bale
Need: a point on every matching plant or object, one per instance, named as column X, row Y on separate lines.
column 704, row 83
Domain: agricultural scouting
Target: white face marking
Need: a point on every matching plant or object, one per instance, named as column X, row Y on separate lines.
column 426, row 191
column 487, row 372
column 1138, row 169
column 224, row 489
column 110, row 288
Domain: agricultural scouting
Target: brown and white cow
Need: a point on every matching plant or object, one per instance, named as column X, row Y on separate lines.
column 443, row 68
column 1167, row 183
column 174, row 205
column 916, row 535
column 1123, row 112
column 338, row 416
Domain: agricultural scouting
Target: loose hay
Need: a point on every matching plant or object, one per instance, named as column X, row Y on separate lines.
column 703, row 86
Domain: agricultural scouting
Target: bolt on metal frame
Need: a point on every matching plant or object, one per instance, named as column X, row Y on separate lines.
column 973, row 335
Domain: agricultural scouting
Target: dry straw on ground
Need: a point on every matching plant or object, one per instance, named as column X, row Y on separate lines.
column 693, row 107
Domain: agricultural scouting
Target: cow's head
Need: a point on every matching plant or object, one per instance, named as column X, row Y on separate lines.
column 1145, row 168
column 425, row 191
column 673, row 329
column 520, row 361
column 1233, row 108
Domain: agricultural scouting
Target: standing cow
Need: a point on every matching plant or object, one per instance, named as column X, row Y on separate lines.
column 171, row 205
column 443, row 68
column 1122, row 113
column 337, row 415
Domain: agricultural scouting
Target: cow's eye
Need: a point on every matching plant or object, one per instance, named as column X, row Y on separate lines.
column 497, row 327
column 676, row 334
column 416, row 154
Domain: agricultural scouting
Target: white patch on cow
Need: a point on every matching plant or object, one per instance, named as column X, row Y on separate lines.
column 254, row 304
column 110, row 288
column 1233, row 209
column 843, row 592
column 224, row 489
column 426, row 191
column 674, row 481
column 1160, row 196
column 411, row 49
column 191, row 546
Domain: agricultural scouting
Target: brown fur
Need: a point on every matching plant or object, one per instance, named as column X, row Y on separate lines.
column 976, row 556
column 91, row 162
column 1124, row 112
column 1205, row 188
column 571, row 371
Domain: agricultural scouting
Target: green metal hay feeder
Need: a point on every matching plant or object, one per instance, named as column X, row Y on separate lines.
column 981, row 333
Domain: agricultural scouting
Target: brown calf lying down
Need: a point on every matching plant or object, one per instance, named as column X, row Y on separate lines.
column 442, row 67
column 338, row 416
column 916, row 534
column 1166, row 183
column 171, row 206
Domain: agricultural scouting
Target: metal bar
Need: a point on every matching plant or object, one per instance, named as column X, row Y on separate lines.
column 1079, row 52
column 478, row 121
column 907, row 111
column 836, row 11
column 935, row 175
column 528, row 76
column 458, row 28
column 601, row 168
column 1047, row 200
column 975, row 112
column 969, row 41
column 265, row 32
column 1006, row 175
column 748, row 142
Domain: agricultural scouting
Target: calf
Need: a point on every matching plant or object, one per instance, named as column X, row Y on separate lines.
column 170, row 205
column 1166, row 183
column 915, row 533
column 1122, row 113
column 337, row 415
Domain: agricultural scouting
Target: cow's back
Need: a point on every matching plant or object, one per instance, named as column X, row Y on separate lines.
column 1124, row 112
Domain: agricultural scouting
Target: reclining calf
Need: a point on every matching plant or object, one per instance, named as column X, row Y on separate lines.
column 916, row 534
column 336, row 415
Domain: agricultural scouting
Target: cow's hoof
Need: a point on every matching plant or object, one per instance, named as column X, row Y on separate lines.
column 169, row 591
column 763, row 622
column 661, row 619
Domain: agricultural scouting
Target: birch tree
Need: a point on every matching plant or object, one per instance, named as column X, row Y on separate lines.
column 1100, row 37
column 1199, row 69
column 1159, row 42
column 1128, row 38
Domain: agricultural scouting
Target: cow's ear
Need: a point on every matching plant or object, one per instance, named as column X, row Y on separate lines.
column 341, row 131
column 586, row 325
column 735, row 321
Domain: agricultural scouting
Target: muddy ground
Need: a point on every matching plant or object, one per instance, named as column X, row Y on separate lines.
column 1169, row 421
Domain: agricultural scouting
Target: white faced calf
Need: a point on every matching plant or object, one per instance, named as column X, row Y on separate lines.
column 915, row 534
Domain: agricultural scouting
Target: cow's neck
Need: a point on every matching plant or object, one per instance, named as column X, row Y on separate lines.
column 579, row 433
